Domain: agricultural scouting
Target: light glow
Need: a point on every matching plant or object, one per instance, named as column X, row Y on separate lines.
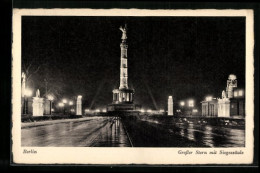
column 191, row 103
column 50, row 97
column 240, row 92
column 195, row 110
column 209, row 98
column 28, row 92
column 61, row 104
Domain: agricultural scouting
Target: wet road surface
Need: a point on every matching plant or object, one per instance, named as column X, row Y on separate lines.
column 127, row 132
column 95, row 132
column 171, row 134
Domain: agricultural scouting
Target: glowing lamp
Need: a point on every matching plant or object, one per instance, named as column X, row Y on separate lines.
column 28, row 92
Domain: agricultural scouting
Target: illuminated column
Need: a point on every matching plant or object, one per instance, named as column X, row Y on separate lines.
column 79, row 105
column 123, row 66
column 170, row 106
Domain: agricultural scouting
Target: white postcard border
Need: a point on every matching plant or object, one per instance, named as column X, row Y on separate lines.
column 98, row 155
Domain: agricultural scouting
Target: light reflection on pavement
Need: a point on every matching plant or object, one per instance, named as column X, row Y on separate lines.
column 98, row 131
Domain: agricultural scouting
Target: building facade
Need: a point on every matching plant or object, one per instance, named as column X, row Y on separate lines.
column 231, row 104
column 209, row 108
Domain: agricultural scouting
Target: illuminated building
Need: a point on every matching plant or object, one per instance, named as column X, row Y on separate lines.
column 231, row 103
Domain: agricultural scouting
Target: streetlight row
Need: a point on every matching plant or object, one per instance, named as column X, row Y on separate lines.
column 190, row 103
column 64, row 101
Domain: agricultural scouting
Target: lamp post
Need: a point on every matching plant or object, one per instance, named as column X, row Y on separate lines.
column 182, row 103
column 28, row 93
column 61, row 105
column 50, row 97
column 191, row 105
column 64, row 101
column 70, row 103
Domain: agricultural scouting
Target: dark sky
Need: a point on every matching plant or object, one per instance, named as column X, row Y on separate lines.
column 186, row 57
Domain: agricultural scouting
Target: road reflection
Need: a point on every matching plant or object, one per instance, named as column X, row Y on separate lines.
column 119, row 132
column 97, row 132
column 212, row 136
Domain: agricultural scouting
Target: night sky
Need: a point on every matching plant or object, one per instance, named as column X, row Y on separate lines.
column 186, row 57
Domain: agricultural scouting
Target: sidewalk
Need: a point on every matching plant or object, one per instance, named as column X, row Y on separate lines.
column 50, row 122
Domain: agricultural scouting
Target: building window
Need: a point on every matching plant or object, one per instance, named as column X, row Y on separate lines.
column 235, row 93
column 240, row 93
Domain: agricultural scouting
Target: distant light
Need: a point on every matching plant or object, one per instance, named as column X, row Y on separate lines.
column 195, row 110
column 50, row 97
column 79, row 96
column 149, row 110
column 240, row 92
column 97, row 110
column 104, row 110
column 209, row 98
column 232, row 77
column 170, row 97
column 72, row 110
column 182, row 103
column 71, row 103
column 142, row 110
column 28, row 92
column 86, row 110
column 178, row 110
column 235, row 93
column 61, row 104
column 161, row 110
column 64, row 101
column 52, row 110
column 191, row 103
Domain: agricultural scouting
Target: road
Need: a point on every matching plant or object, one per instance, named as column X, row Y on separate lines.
column 93, row 132
column 168, row 133
column 127, row 132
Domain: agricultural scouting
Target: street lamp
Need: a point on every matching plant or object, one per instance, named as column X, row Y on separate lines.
column 182, row 103
column 61, row 105
column 70, row 103
column 50, row 97
column 191, row 103
column 28, row 92
column 64, row 101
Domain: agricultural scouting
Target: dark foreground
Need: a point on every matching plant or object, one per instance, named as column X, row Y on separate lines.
column 131, row 132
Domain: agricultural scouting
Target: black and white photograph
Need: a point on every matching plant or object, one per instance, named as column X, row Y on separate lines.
column 134, row 81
